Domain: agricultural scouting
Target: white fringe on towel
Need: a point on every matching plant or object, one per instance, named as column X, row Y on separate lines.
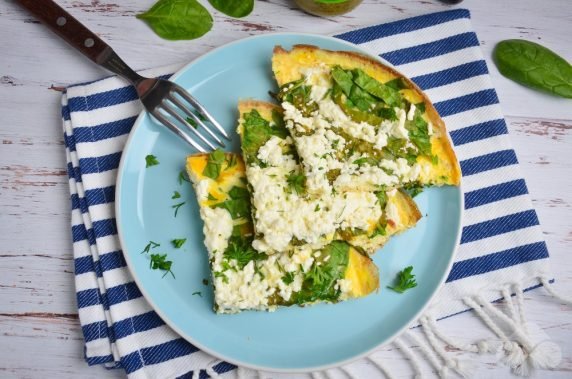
column 520, row 352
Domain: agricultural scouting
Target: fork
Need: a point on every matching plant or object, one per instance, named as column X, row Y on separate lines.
column 166, row 101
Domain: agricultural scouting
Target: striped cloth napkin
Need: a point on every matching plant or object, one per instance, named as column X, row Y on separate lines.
column 502, row 250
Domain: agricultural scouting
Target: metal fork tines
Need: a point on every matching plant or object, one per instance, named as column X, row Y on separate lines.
column 165, row 100
column 174, row 107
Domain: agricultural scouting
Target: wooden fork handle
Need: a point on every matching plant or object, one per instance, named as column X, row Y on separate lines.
column 68, row 28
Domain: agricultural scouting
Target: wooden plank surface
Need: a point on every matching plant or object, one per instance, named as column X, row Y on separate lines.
column 40, row 335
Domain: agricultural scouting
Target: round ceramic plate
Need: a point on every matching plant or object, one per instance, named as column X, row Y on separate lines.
column 290, row 339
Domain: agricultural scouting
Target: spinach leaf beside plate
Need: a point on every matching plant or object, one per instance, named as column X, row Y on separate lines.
column 178, row 19
column 233, row 8
column 534, row 66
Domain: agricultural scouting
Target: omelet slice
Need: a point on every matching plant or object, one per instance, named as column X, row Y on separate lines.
column 246, row 279
column 358, row 124
column 286, row 215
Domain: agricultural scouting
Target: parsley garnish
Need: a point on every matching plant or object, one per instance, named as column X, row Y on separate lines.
column 211, row 197
column 369, row 160
column 151, row 160
column 288, row 278
column 192, row 122
column 435, row 160
column 198, row 293
column 176, row 195
column 381, row 198
column 214, row 164
column 404, row 281
column 379, row 231
column 160, row 262
column 177, row 206
column 182, row 177
column 241, row 250
column 317, row 208
column 150, row 245
column 297, row 182
column 177, row 243
column 219, row 274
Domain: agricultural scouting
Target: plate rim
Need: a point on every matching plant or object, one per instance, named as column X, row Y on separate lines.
column 171, row 324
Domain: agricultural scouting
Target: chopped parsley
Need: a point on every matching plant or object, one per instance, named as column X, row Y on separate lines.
column 211, row 197
column 160, row 262
column 151, row 160
column 177, row 243
column 219, row 274
column 150, row 245
column 405, row 280
column 177, row 206
column 317, row 208
column 296, row 182
column 176, row 195
column 366, row 160
column 414, row 189
column 240, row 249
column 183, row 177
column 192, row 122
column 288, row 278
column 379, row 230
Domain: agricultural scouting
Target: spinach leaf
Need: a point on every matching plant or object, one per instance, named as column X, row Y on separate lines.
column 237, row 208
column 389, row 95
column 256, row 132
column 419, row 134
column 319, row 282
column 298, row 93
column 214, row 164
column 238, row 193
column 233, row 8
column 534, row 66
column 343, row 79
column 178, row 19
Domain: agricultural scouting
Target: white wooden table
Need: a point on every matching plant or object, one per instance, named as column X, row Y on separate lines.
column 40, row 336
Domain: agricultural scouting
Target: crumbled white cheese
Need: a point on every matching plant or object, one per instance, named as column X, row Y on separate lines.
column 202, row 189
column 217, row 227
column 411, row 113
column 345, row 286
column 392, row 212
column 430, row 128
column 399, row 130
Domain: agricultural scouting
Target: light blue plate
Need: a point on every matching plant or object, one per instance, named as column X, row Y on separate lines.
column 290, row 339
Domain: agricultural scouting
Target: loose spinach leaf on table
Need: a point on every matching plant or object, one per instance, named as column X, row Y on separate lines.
column 534, row 66
column 178, row 19
column 233, row 8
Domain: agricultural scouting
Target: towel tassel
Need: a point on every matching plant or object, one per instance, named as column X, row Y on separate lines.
column 463, row 368
column 380, row 367
column 480, row 347
column 548, row 287
column 409, row 354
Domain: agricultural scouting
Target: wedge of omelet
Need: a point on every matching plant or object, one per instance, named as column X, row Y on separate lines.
column 360, row 124
column 246, row 279
column 286, row 215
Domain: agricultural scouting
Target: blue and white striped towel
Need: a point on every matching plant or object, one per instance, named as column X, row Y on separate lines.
column 501, row 241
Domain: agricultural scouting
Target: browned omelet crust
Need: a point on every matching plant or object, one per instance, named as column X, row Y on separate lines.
column 286, row 67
